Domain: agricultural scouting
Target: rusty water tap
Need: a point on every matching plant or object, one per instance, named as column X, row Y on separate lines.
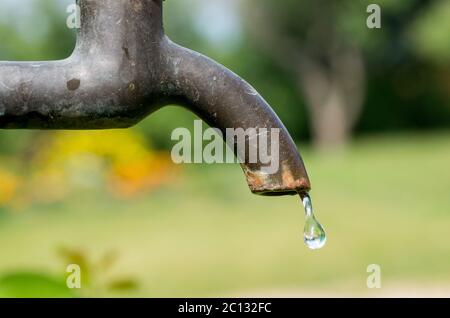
column 122, row 69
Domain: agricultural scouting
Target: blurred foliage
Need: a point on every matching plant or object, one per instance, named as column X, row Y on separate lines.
column 431, row 33
column 407, row 60
column 35, row 32
column 8, row 186
column 57, row 165
column 96, row 277
column 128, row 163
column 33, row 285
column 385, row 201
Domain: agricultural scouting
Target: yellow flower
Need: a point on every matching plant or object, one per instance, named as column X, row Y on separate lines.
column 123, row 156
column 9, row 184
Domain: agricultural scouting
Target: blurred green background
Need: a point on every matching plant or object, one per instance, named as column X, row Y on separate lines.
column 369, row 107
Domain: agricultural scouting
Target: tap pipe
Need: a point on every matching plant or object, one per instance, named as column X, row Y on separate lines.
column 122, row 69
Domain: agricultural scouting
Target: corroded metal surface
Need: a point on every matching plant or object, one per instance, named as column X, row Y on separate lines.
column 122, row 69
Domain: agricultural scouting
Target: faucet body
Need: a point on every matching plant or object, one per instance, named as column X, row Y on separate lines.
column 122, row 69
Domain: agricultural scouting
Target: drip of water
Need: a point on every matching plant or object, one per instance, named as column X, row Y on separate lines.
column 314, row 234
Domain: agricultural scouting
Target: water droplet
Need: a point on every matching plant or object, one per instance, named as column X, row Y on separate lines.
column 313, row 234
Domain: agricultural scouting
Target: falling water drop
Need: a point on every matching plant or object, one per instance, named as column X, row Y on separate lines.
column 314, row 234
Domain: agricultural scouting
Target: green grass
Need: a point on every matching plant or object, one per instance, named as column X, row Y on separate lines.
column 384, row 201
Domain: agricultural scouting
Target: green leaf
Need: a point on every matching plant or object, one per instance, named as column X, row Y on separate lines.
column 33, row 285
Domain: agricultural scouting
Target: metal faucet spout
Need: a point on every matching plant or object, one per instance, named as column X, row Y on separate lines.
column 124, row 68
column 224, row 100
